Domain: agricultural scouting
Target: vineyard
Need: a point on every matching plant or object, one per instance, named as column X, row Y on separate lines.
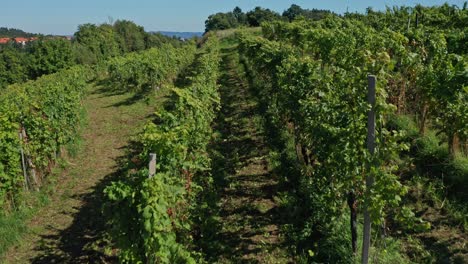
column 320, row 138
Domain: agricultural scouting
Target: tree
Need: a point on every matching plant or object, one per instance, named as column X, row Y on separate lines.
column 158, row 39
column 260, row 15
column 95, row 43
column 88, row 39
column 220, row 21
column 295, row 11
column 50, row 55
column 108, row 44
column 292, row 12
column 83, row 54
column 12, row 66
column 240, row 16
column 13, row 33
column 237, row 18
column 130, row 36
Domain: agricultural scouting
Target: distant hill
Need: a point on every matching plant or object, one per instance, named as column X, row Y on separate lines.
column 185, row 35
column 14, row 33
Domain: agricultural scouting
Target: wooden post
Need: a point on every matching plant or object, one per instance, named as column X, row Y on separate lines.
column 353, row 220
column 152, row 165
column 23, row 163
column 32, row 179
column 369, row 179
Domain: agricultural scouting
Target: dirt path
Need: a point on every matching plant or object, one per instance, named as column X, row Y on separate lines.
column 249, row 229
column 69, row 228
column 446, row 242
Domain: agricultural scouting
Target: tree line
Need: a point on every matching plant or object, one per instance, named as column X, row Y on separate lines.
column 14, row 33
column 91, row 44
column 237, row 18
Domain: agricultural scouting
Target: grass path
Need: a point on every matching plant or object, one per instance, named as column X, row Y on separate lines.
column 248, row 216
column 69, row 228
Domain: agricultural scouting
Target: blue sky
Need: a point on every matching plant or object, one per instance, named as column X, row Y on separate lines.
column 63, row 17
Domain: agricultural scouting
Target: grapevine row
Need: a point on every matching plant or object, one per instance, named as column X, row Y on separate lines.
column 426, row 67
column 323, row 104
column 151, row 216
column 46, row 112
column 149, row 69
column 313, row 77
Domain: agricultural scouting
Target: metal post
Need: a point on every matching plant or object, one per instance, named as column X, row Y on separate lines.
column 369, row 179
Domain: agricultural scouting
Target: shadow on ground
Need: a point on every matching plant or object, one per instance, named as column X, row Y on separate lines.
column 248, row 227
column 85, row 240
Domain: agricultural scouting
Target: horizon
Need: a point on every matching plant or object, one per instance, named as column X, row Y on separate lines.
column 58, row 18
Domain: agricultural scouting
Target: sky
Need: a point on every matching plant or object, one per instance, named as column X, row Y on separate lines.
column 62, row 17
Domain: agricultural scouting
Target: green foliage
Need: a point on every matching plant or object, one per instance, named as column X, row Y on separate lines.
column 151, row 217
column 49, row 109
column 84, row 55
column 253, row 18
column 11, row 228
column 13, row 66
column 149, row 69
column 158, row 40
column 458, row 175
column 313, row 76
column 318, row 90
column 49, row 56
column 434, row 161
column 295, row 11
column 13, row 224
column 92, row 45
column 259, row 15
column 404, row 123
column 221, row 21
column 406, row 17
column 313, row 79
column 131, row 37
column 36, row 58
column 14, row 33
column 95, row 43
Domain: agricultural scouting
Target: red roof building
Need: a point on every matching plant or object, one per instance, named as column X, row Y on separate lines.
column 4, row 40
column 18, row 40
